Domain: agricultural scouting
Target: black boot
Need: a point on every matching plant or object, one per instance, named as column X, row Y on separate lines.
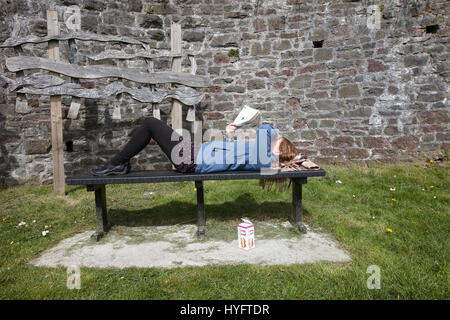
column 110, row 169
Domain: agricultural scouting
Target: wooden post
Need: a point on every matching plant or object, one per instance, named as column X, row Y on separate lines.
column 191, row 111
column 55, row 111
column 175, row 44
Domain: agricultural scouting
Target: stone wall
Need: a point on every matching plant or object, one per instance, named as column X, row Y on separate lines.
column 341, row 87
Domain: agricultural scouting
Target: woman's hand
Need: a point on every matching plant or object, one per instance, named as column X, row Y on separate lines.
column 231, row 127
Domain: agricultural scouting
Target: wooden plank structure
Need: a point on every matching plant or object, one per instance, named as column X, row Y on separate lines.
column 184, row 94
column 97, row 72
column 175, row 44
column 83, row 36
column 55, row 111
column 181, row 90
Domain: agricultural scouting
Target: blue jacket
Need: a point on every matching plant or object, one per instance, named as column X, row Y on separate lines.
column 238, row 155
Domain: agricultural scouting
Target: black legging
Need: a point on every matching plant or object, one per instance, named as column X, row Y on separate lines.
column 150, row 128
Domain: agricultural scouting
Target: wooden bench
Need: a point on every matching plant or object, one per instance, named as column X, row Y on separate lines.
column 98, row 184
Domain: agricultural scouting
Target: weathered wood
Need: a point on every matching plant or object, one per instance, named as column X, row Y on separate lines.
column 190, row 116
column 37, row 80
column 40, row 80
column 193, row 64
column 175, row 45
column 156, row 112
column 186, row 95
column 191, row 111
column 10, row 82
column 74, row 108
column 197, row 130
column 197, row 124
column 116, row 54
column 117, row 103
column 21, row 100
column 15, row 64
column 53, row 30
column 83, row 36
column 75, row 104
column 55, row 112
column 116, row 111
column 155, row 107
column 16, row 27
column 22, row 104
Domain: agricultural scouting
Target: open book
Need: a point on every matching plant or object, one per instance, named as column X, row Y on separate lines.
column 246, row 115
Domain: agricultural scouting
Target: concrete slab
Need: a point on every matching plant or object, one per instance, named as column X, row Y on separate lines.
column 178, row 246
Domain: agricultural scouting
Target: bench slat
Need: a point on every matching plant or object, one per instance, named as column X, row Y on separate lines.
column 153, row 176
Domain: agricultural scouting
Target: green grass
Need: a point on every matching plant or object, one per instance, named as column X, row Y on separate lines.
column 413, row 258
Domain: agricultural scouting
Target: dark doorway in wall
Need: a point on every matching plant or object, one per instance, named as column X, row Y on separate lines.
column 69, row 146
column 432, row 29
column 318, row 44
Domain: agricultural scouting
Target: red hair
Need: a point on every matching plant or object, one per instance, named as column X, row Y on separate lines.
column 288, row 151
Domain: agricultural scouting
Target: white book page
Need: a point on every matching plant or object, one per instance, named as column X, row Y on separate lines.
column 247, row 114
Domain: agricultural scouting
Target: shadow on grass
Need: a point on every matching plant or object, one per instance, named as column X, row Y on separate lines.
column 183, row 212
column 73, row 189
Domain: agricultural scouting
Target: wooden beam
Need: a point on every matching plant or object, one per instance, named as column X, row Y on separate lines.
column 15, row 64
column 55, row 112
column 36, row 80
column 175, row 45
column 83, row 36
column 186, row 95
column 117, row 54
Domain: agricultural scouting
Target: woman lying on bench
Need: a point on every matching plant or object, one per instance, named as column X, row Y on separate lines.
column 270, row 147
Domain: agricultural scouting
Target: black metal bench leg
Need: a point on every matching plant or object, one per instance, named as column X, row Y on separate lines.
column 297, row 202
column 100, row 210
column 201, row 220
